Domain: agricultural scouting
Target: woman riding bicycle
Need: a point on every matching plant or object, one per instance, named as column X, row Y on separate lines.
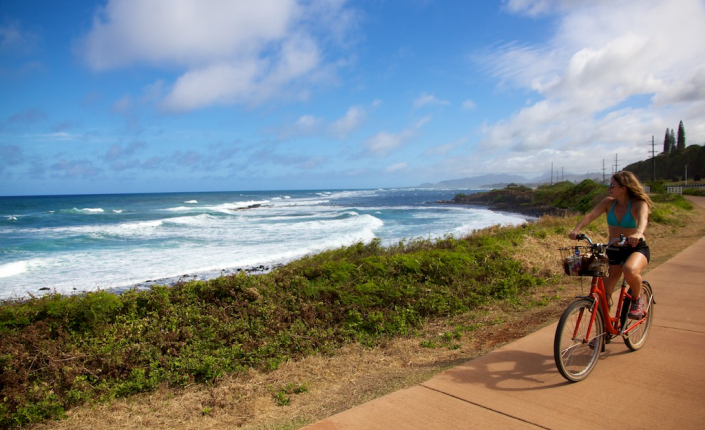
column 627, row 209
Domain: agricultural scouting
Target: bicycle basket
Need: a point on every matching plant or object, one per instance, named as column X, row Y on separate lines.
column 584, row 261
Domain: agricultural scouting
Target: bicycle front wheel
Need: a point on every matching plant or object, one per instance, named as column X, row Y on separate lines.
column 636, row 338
column 575, row 354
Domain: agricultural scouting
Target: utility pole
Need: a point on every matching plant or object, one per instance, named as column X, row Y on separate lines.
column 616, row 164
column 653, row 155
column 603, row 172
column 562, row 173
column 686, row 174
column 551, row 172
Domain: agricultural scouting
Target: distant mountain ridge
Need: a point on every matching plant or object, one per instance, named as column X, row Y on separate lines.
column 669, row 166
column 500, row 180
column 476, row 181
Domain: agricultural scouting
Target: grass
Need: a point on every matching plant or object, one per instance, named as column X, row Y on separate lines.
column 694, row 192
column 58, row 352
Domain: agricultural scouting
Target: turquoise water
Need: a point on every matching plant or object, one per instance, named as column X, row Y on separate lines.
column 81, row 243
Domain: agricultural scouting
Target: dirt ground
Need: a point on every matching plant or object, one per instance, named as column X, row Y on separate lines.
column 354, row 375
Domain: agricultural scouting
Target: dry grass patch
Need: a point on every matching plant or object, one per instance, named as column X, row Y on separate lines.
column 354, row 375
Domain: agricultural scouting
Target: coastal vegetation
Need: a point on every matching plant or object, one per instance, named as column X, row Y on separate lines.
column 672, row 166
column 562, row 198
column 61, row 351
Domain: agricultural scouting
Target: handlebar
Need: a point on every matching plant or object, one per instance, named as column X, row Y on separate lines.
column 619, row 241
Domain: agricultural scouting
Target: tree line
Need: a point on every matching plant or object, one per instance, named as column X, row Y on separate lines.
column 670, row 143
column 671, row 166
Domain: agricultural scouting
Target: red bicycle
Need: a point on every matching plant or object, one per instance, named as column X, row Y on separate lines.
column 586, row 325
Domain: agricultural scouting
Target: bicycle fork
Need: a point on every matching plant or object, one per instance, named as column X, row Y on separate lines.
column 591, row 321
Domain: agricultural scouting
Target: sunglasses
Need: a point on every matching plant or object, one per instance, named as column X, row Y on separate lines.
column 612, row 185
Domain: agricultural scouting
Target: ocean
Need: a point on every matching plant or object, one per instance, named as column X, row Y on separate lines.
column 70, row 244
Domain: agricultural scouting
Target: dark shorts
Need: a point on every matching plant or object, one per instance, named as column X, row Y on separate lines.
column 618, row 254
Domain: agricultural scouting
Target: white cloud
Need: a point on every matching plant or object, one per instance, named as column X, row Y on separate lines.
column 308, row 125
column 307, row 122
column 542, row 7
column 74, row 169
column 305, row 125
column 215, row 84
column 153, row 92
column 384, row 142
column 15, row 39
column 602, row 57
column 118, row 151
column 445, row 149
column 350, row 122
column 183, row 32
column 469, row 105
column 397, row 167
column 229, row 51
column 429, row 99
column 122, row 105
column 58, row 136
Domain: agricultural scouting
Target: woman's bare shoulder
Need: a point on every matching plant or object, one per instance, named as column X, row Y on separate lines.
column 601, row 207
column 639, row 205
column 606, row 202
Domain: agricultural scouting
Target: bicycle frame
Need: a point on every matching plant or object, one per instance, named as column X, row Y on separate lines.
column 612, row 324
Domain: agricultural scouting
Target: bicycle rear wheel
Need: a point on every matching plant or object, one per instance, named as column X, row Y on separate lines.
column 574, row 356
column 637, row 337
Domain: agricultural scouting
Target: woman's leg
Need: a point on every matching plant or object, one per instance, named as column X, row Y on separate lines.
column 611, row 281
column 632, row 271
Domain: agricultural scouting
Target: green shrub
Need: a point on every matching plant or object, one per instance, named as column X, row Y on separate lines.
column 657, row 187
column 674, row 200
column 694, row 191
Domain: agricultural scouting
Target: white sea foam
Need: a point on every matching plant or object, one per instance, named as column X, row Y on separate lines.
column 223, row 208
column 193, row 202
column 204, row 239
column 351, row 194
column 483, row 218
column 117, row 211
column 127, row 227
column 197, row 220
column 88, row 211
column 12, row 269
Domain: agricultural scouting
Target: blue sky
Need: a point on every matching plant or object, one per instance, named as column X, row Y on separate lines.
column 177, row 95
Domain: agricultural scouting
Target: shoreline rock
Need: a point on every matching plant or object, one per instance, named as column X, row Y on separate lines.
column 254, row 206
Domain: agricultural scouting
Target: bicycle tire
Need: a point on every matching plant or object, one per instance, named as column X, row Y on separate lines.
column 636, row 339
column 574, row 358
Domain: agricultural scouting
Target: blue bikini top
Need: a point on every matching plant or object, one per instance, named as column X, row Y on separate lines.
column 628, row 220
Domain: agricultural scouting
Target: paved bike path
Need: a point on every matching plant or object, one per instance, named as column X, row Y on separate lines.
column 517, row 386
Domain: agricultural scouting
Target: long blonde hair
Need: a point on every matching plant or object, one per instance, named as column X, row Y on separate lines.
column 634, row 188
